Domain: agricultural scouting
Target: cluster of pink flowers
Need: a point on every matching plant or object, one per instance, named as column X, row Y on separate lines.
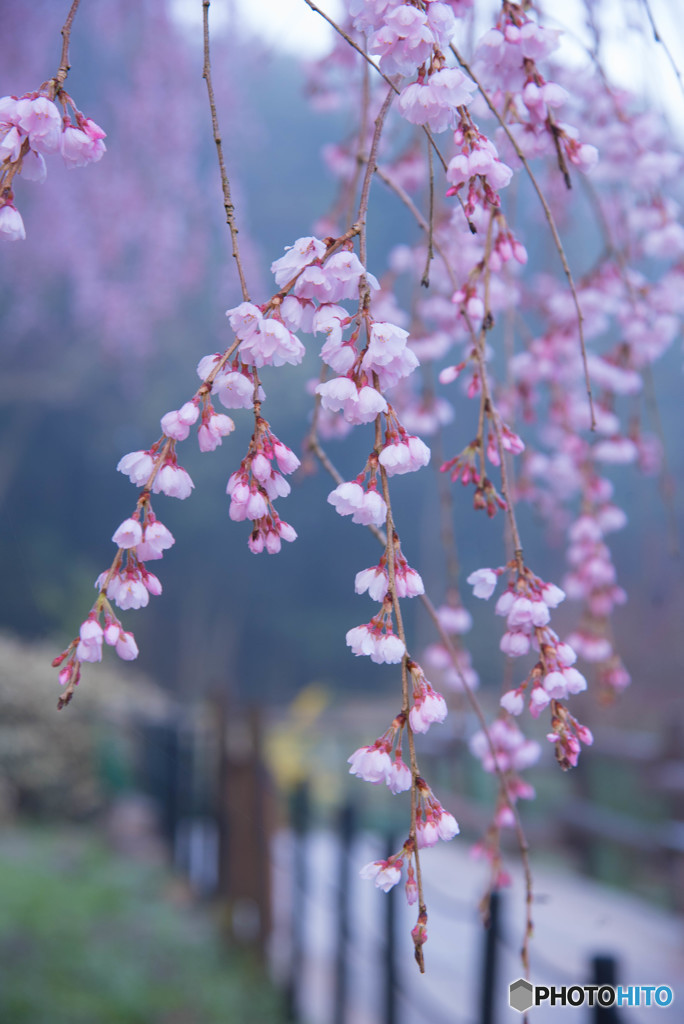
column 404, row 35
column 31, row 127
column 375, row 763
column 127, row 584
column 503, row 749
column 526, row 604
column 433, row 823
column 622, row 314
column 256, row 484
column 434, row 101
column 452, row 666
column 476, row 163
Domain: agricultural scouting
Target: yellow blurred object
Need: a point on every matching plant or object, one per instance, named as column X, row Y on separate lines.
column 291, row 743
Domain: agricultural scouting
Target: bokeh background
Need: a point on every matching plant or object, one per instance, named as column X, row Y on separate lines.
column 244, row 684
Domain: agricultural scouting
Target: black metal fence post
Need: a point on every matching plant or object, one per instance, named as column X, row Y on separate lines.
column 490, row 960
column 604, row 972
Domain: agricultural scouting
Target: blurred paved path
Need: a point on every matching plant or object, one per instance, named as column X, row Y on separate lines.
column 575, row 919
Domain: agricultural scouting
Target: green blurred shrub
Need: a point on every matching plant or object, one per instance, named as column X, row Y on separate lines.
column 89, row 938
column 61, row 764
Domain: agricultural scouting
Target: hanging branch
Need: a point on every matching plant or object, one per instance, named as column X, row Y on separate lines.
column 370, row 168
column 315, row 446
column 340, row 31
column 225, row 184
column 550, row 220
column 56, row 83
column 659, row 39
column 402, row 194
column 425, row 280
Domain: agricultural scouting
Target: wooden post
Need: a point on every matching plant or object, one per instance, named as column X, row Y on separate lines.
column 244, row 830
column 300, row 815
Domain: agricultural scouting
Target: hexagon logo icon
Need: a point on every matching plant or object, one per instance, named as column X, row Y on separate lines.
column 520, row 995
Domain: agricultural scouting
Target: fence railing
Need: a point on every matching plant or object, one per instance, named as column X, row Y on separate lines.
column 208, row 776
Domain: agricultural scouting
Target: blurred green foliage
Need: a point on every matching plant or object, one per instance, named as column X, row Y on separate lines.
column 67, row 764
column 88, row 938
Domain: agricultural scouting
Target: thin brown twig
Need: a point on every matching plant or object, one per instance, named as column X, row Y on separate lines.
column 521, row 838
column 367, row 178
column 401, row 633
column 360, row 149
column 355, row 46
column 56, row 83
column 425, row 280
column 225, row 184
column 408, row 202
column 550, row 220
column 659, row 39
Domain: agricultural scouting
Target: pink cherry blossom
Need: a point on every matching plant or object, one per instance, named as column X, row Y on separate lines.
column 11, row 224
column 434, row 102
column 407, row 581
column 375, row 581
column 297, row 256
column 384, row 874
column 137, row 466
column 457, row 620
column 513, row 702
column 151, row 582
column 235, row 390
column 404, row 456
column 347, row 498
column 156, row 539
column 173, row 481
column 40, row 119
column 483, row 582
column 343, row 272
column 512, row 750
column 272, row 344
column 78, row 147
column 382, row 648
column 129, row 534
column 370, row 403
column 373, row 764
column 10, row 142
column 245, row 320
column 427, row 833
column 404, row 40
column 176, row 424
column 399, row 777
column 126, row 589
column 447, row 826
column 429, row 707
column 285, row 457
column 126, row 647
column 515, row 643
column 213, row 430
column 33, row 167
